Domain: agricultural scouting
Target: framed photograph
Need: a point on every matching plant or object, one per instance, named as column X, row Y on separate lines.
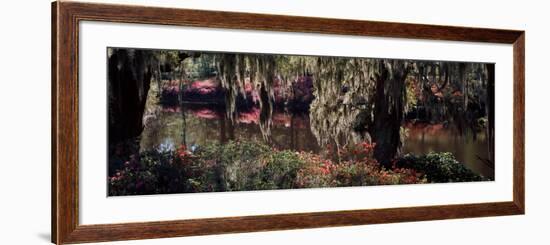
column 175, row 122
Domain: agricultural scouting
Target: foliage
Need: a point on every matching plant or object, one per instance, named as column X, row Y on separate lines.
column 347, row 95
column 200, row 67
column 439, row 167
column 234, row 165
column 239, row 166
column 280, row 170
column 358, row 168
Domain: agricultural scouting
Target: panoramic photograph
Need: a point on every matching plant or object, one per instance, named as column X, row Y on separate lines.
column 182, row 121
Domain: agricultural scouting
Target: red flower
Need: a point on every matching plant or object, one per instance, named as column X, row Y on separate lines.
column 182, row 151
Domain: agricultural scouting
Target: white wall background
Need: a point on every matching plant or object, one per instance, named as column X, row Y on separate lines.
column 25, row 121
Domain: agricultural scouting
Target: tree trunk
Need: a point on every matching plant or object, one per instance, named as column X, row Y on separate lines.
column 182, row 88
column 266, row 113
column 389, row 102
column 159, row 80
column 130, row 73
column 231, row 129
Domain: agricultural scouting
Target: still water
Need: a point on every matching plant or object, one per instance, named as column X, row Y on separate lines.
column 465, row 149
column 292, row 131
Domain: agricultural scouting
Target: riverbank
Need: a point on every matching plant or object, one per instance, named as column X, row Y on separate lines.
column 245, row 166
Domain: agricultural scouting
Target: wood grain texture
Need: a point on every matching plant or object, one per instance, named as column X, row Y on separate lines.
column 65, row 221
column 233, row 20
column 149, row 230
column 65, row 123
column 54, row 123
column 519, row 122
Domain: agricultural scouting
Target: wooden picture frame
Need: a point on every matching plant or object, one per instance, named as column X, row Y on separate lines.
column 65, row 121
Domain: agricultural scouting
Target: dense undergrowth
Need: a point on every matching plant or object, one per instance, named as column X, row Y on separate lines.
column 239, row 166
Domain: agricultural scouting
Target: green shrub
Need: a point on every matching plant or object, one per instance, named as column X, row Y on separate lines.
column 439, row 167
column 235, row 165
column 280, row 170
column 354, row 174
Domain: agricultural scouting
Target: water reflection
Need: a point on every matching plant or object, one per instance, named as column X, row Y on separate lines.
column 437, row 138
column 207, row 125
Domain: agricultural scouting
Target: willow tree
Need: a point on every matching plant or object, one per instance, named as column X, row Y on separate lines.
column 389, row 108
column 130, row 72
column 339, row 88
column 460, row 95
column 163, row 58
column 235, row 70
column 477, row 80
column 462, row 89
column 355, row 99
column 129, row 77
column 359, row 99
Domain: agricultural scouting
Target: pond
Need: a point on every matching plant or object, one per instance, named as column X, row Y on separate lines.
column 292, row 131
column 465, row 148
